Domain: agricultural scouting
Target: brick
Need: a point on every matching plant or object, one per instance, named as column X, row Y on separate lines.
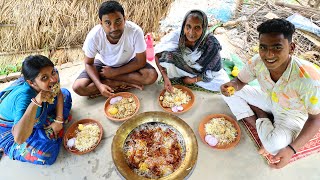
column 3, row 78
column 13, row 76
column 66, row 65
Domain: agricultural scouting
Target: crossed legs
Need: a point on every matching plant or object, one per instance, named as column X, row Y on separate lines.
column 84, row 86
column 252, row 105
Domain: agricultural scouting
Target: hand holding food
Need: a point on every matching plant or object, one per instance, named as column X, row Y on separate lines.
column 105, row 90
column 168, row 85
column 55, row 90
column 43, row 96
column 231, row 90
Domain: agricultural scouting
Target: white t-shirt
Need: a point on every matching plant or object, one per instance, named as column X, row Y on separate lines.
column 98, row 46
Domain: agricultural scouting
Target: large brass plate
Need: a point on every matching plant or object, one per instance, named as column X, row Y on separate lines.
column 190, row 142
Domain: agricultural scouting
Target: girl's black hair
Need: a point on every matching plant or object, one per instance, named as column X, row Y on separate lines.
column 32, row 65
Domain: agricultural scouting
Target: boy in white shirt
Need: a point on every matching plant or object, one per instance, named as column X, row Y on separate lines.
column 115, row 55
column 285, row 109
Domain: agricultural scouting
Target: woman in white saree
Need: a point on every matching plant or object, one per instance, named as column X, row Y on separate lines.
column 192, row 54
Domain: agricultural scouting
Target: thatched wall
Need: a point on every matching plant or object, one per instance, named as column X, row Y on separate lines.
column 48, row 24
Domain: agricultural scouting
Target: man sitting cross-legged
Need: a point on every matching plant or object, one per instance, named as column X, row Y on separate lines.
column 115, row 57
column 286, row 109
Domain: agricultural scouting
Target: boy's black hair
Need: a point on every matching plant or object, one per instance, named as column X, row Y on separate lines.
column 32, row 65
column 277, row 26
column 110, row 7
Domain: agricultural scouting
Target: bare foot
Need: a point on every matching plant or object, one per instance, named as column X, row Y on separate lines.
column 94, row 96
column 263, row 151
column 121, row 86
column 127, row 87
column 140, row 87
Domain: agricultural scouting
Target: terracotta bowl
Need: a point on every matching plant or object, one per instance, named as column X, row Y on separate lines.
column 107, row 105
column 71, row 133
column 206, row 120
column 186, row 107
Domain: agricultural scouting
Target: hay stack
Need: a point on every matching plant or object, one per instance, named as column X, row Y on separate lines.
column 51, row 24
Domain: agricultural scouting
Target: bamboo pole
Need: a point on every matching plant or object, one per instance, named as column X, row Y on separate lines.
column 7, row 25
column 300, row 8
column 38, row 50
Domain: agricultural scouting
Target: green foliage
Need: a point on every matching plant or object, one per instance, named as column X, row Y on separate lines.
column 11, row 68
column 228, row 66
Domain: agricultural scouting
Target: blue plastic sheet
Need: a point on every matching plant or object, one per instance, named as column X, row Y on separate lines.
column 304, row 23
column 223, row 11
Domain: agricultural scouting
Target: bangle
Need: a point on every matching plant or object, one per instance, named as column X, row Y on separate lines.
column 59, row 117
column 294, row 151
column 35, row 102
column 60, row 122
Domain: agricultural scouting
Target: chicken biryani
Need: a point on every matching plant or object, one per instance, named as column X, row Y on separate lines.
column 176, row 98
column 123, row 108
column 55, row 90
column 87, row 136
column 154, row 150
column 222, row 129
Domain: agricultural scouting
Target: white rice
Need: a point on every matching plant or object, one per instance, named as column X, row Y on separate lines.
column 88, row 137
